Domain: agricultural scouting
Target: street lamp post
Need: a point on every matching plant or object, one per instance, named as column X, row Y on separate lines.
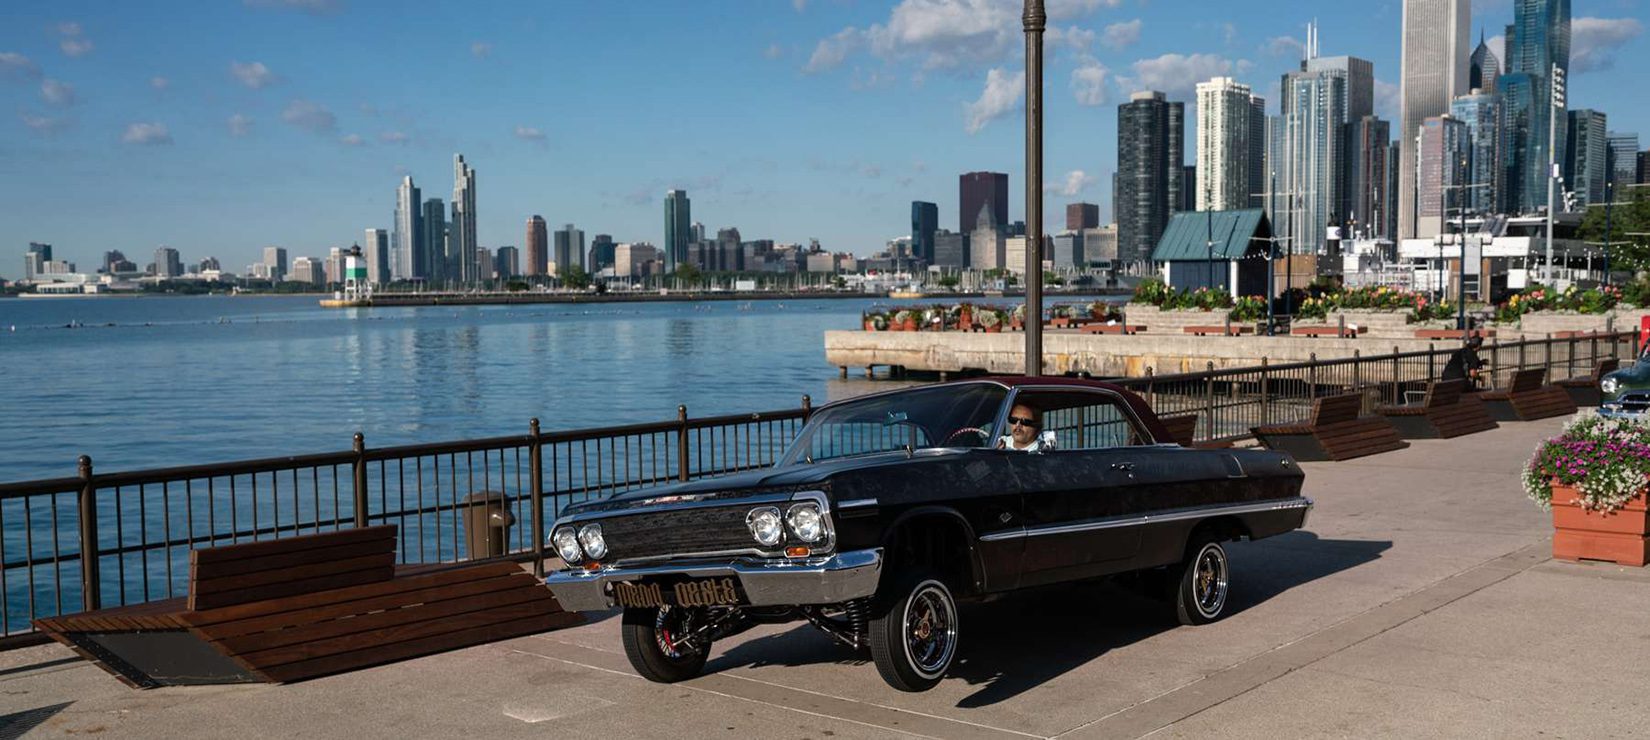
column 1554, row 104
column 1609, row 200
column 1033, row 20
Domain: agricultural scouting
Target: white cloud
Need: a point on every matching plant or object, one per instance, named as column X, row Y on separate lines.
column 528, row 133
column 1003, row 93
column 1594, row 41
column 147, row 134
column 830, row 52
column 773, row 51
column 481, row 49
column 1175, row 74
column 352, row 140
column 312, row 7
column 1388, row 102
column 252, row 74
column 1088, row 82
column 1120, row 36
column 1077, row 39
column 1284, row 46
column 160, row 84
column 309, row 115
column 74, row 42
column 1076, row 182
column 394, row 137
column 240, row 125
column 16, row 66
column 1228, row 31
column 43, row 125
column 57, row 92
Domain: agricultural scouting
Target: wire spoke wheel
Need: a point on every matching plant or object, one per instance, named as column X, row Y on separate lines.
column 930, row 629
column 1211, row 580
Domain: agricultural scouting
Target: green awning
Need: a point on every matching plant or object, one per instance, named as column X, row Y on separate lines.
column 1234, row 233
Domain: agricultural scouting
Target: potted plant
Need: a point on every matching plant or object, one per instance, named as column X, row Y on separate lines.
column 991, row 320
column 904, row 320
column 876, row 321
column 1593, row 477
column 1017, row 320
column 965, row 316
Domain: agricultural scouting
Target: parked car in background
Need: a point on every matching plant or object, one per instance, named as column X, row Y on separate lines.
column 888, row 509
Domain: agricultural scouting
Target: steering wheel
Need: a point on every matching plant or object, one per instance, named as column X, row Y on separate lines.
column 984, row 435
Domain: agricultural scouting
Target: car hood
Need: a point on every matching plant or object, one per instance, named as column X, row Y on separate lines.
column 1634, row 377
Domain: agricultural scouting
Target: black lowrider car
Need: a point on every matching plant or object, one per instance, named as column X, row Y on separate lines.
column 889, row 508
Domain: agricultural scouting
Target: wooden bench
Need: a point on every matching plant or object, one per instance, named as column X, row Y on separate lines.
column 1069, row 322
column 1346, row 332
column 1224, row 330
column 300, row 607
column 1584, row 390
column 1447, row 411
column 1527, row 399
column 1335, row 432
column 1437, row 334
column 1182, row 430
column 1099, row 328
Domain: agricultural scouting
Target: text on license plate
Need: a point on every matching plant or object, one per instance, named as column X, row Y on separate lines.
column 700, row 592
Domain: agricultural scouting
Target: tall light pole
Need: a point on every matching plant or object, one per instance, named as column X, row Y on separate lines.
column 1033, row 19
column 1554, row 104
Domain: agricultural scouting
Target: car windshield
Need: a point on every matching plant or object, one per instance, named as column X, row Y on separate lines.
column 945, row 416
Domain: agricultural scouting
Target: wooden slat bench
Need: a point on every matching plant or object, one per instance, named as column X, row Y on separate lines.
column 1335, row 432
column 1098, row 328
column 1447, row 411
column 300, row 607
column 1220, row 330
column 1527, row 399
column 1347, row 332
column 1437, row 334
column 1182, row 430
column 1584, row 390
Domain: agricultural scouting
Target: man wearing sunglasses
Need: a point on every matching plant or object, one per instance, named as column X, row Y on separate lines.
column 1025, row 431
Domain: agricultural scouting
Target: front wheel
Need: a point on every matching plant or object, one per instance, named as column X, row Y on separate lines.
column 666, row 644
column 914, row 632
column 1205, row 577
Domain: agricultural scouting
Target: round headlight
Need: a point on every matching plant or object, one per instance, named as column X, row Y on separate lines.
column 1609, row 385
column 765, row 525
column 590, row 535
column 805, row 522
column 567, row 545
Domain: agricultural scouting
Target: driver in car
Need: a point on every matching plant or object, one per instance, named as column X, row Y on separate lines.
column 1025, row 431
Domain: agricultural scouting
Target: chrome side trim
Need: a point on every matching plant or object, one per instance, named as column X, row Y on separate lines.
column 857, row 503
column 1156, row 517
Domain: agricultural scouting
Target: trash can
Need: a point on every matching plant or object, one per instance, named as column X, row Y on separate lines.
column 487, row 521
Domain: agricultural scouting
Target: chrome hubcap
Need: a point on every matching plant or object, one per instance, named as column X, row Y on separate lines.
column 930, row 629
column 1209, row 580
column 673, row 630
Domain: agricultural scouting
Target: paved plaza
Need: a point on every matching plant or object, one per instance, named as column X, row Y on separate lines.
column 1419, row 601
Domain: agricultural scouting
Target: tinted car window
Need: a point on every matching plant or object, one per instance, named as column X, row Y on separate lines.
column 1084, row 420
column 944, row 416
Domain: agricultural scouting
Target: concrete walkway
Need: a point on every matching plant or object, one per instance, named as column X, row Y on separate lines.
column 1419, row 602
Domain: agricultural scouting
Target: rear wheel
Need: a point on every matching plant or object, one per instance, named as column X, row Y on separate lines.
column 1203, row 582
column 666, row 644
column 913, row 632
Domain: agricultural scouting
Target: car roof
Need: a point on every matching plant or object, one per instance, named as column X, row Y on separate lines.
column 1141, row 409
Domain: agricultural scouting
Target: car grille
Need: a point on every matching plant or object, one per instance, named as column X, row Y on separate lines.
column 677, row 532
column 1632, row 402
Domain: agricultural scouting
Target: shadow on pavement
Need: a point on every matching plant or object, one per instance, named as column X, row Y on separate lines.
column 15, row 724
column 1028, row 638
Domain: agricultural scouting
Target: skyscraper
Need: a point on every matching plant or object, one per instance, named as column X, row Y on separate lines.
column 432, row 254
column 678, row 226
column 1367, row 198
column 1442, row 146
column 1434, row 71
column 1481, row 113
column 377, row 256
column 730, row 256
column 1624, row 149
column 1081, row 216
column 925, row 218
column 569, row 250
column 275, row 262
column 1537, row 41
column 1224, row 112
column 408, row 238
column 1150, row 165
column 1310, row 155
column 167, row 263
column 462, row 246
column 976, row 190
column 601, row 253
column 538, row 247
column 1483, row 68
column 1587, row 151
column 34, row 260
column 1259, row 166
column 506, row 263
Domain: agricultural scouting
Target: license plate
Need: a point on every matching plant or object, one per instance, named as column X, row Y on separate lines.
column 692, row 592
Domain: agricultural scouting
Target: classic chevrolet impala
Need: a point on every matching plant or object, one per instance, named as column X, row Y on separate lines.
column 889, row 508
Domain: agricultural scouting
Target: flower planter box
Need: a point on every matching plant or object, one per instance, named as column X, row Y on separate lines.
column 1621, row 536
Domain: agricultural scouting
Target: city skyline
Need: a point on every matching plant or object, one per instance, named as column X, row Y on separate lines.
column 250, row 128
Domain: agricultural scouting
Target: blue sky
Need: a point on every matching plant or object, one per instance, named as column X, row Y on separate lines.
column 220, row 127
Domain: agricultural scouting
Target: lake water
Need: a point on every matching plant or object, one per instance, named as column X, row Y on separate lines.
column 159, row 381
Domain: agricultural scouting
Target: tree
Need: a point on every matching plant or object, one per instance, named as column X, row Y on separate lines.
column 689, row 275
column 575, row 277
column 949, row 281
column 1050, row 278
column 1629, row 221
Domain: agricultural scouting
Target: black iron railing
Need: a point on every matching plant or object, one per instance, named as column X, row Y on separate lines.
column 141, row 525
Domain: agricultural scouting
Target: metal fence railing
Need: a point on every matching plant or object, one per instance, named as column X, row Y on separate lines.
column 140, row 526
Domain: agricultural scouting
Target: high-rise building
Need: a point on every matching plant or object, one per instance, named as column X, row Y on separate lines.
column 208, row 264
column 569, row 250
column 308, row 270
column 730, row 254
column 407, row 239
column 507, row 263
column 333, row 267
column 110, row 258
column 34, row 260
column 977, row 190
column 678, row 228
column 925, row 218
column 538, row 247
column 167, row 263
column 1224, row 110
column 1624, row 149
column 1486, row 173
column 1150, row 166
column 1310, row 146
column 1390, row 216
column 697, row 231
column 1537, row 41
column 1443, row 149
column 377, row 256
column 463, row 245
column 987, row 244
column 433, row 252
column 632, row 259
column 275, row 262
column 1081, row 216
column 1100, row 245
column 1435, row 69
column 1260, row 168
column 1587, row 152
column 1483, row 68
column 950, row 250
column 1367, row 198
column 1643, row 168
column 601, row 253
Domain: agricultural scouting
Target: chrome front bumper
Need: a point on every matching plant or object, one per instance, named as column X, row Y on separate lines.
column 828, row 580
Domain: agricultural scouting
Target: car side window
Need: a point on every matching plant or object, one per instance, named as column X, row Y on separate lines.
column 860, row 438
column 1087, row 420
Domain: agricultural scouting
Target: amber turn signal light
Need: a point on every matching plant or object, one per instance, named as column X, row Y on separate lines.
column 797, row 552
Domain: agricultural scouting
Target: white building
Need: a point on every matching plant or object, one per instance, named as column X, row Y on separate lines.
column 1434, row 71
column 1224, row 117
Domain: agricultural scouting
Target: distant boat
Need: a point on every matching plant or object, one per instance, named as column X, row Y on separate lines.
column 908, row 293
